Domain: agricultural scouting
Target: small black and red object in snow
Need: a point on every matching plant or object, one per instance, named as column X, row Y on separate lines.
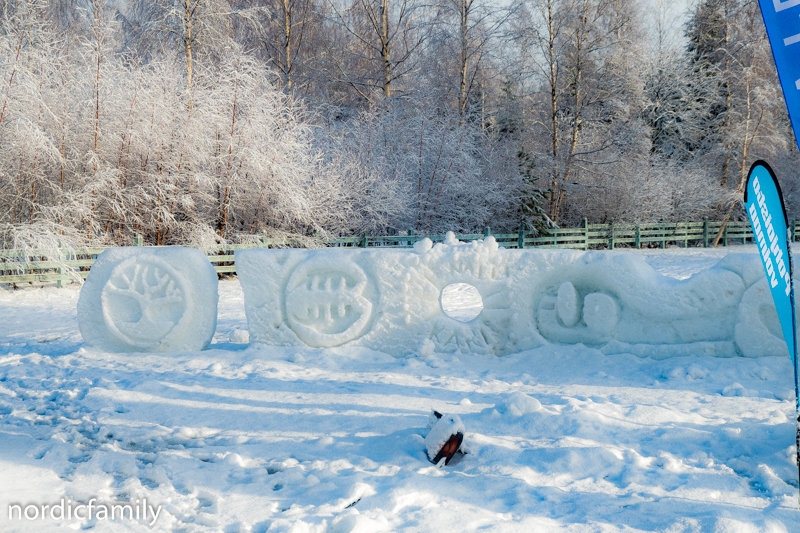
column 450, row 446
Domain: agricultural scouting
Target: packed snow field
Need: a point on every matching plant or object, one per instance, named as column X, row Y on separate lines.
column 257, row 439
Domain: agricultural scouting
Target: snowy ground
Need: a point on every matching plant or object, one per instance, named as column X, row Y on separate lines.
column 267, row 439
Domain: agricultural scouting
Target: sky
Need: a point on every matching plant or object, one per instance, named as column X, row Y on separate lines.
column 673, row 13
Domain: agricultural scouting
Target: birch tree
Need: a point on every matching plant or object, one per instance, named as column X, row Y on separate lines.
column 460, row 42
column 193, row 27
column 282, row 30
column 387, row 34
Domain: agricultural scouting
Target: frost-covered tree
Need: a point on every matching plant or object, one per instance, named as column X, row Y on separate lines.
column 382, row 39
column 282, row 31
column 200, row 121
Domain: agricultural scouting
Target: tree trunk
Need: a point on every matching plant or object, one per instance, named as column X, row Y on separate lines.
column 99, row 51
column 226, row 199
column 386, row 49
column 287, row 45
column 554, row 103
column 581, row 36
column 742, row 167
column 187, row 21
column 727, row 126
column 462, row 92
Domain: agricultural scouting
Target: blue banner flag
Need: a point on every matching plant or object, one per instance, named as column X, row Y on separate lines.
column 764, row 204
column 782, row 19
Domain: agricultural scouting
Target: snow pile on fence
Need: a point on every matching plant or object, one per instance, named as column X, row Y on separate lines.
column 149, row 300
column 389, row 301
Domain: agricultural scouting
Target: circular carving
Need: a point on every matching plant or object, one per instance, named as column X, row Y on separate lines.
column 144, row 301
column 325, row 303
column 486, row 325
column 461, row 301
column 600, row 312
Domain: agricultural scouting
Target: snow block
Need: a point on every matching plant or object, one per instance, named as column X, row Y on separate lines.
column 149, row 300
column 390, row 301
column 386, row 300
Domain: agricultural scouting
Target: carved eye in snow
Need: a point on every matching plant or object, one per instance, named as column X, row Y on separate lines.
column 570, row 316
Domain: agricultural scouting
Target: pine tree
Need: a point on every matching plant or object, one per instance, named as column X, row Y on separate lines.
column 533, row 215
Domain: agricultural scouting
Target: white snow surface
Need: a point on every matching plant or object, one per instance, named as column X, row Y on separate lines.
column 519, row 404
column 265, row 438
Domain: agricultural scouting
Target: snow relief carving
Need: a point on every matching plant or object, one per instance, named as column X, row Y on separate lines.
column 416, row 295
column 149, row 300
column 569, row 317
column 325, row 305
column 391, row 301
column 144, row 300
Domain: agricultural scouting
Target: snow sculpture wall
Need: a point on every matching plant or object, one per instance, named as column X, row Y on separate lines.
column 149, row 300
column 389, row 300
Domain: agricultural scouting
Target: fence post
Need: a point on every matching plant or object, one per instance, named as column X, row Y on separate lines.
column 138, row 241
column 411, row 234
column 521, row 242
column 60, row 282
column 611, row 236
column 794, row 222
column 487, row 231
column 585, row 234
column 637, row 237
column 364, row 241
column 705, row 232
column 725, row 236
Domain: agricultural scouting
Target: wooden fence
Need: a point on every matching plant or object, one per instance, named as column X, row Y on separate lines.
column 14, row 268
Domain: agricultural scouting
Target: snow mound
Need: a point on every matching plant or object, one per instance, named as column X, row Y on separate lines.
column 149, row 300
column 519, row 404
column 426, row 348
column 239, row 336
column 392, row 301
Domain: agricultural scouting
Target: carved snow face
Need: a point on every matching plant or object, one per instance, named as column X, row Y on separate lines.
column 144, row 300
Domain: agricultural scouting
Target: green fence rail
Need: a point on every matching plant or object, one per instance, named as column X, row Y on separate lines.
column 15, row 268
